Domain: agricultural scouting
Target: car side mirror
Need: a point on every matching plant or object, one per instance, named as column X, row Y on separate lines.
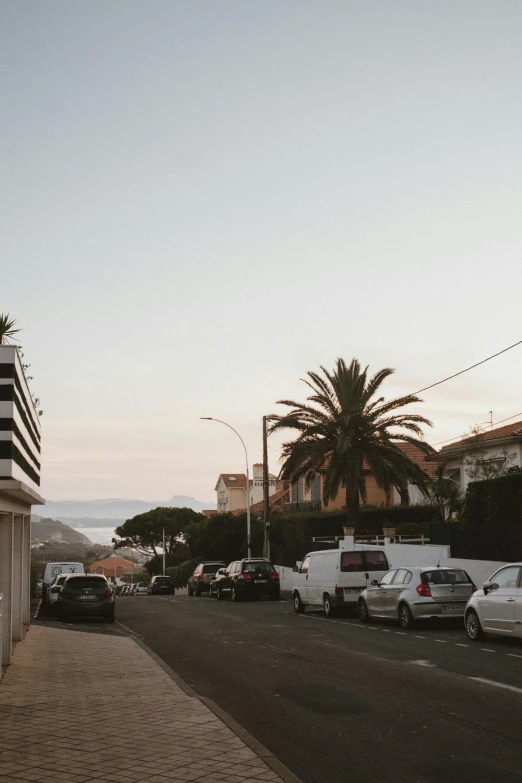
column 55, row 589
column 295, row 570
column 488, row 585
column 374, row 583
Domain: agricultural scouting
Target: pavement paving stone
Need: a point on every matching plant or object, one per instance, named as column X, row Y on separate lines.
column 65, row 704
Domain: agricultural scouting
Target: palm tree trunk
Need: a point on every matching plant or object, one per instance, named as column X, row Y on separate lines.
column 352, row 506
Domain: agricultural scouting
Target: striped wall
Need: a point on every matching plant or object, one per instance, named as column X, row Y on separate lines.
column 20, row 433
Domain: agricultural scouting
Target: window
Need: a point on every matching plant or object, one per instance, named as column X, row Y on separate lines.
column 449, row 576
column 305, row 565
column 352, row 561
column 87, row 581
column 211, row 568
column 260, row 567
column 387, row 578
column 376, row 561
column 400, row 576
column 507, row 577
column 232, row 568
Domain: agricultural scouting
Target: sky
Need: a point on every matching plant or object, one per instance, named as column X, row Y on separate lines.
column 203, row 201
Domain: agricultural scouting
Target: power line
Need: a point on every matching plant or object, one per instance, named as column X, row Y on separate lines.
column 468, row 368
column 459, row 437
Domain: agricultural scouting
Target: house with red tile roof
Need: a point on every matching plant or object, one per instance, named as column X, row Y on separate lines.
column 475, row 457
column 231, row 489
column 112, row 567
column 376, row 496
column 277, row 502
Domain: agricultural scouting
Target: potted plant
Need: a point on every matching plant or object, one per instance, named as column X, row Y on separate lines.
column 388, row 531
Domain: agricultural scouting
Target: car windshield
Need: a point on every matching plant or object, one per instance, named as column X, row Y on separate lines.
column 162, row 580
column 86, row 581
column 211, row 568
column 258, row 567
column 142, row 584
column 449, row 577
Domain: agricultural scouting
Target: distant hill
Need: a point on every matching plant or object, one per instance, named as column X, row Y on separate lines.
column 52, row 530
column 111, row 512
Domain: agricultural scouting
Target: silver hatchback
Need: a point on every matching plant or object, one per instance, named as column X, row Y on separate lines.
column 416, row 593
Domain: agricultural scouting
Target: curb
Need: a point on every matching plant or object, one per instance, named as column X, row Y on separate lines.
column 268, row 757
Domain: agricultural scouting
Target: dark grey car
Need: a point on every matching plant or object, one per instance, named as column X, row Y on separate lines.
column 203, row 575
column 86, row 595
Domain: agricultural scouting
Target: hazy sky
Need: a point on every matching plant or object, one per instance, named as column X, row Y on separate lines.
column 202, row 200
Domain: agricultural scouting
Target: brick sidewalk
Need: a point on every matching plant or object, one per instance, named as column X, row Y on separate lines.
column 93, row 708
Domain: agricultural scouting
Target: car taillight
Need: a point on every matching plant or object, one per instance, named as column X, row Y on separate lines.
column 201, row 576
column 65, row 594
column 338, row 590
column 108, row 593
column 246, row 576
column 275, row 575
column 424, row 590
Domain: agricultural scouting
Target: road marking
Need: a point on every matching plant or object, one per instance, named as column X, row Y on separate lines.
column 485, row 649
column 422, row 662
column 442, row 641
column 512, row 655
column 420, row 637
column 496, row 684
column 385, row 630
column 462, row 645
column 400, row 633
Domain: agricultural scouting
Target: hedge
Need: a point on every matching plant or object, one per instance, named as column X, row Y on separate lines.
column 494, row 501
column 180, row 574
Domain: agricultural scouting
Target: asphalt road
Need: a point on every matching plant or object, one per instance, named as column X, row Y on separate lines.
column 338, row 701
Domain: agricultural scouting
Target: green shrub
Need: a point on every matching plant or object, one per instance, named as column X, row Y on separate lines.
column 180, row 574
column 494, row 501
column 413, row 529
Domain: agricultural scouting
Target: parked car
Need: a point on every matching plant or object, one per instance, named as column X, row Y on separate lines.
column 249, row 578
column 52, row 592
column 204, row 573
column 416, row 593
column 52, row 570
column 335, row 578
column 497, row 607
column 86, row 595
column 123, row 590
column 212, row 588
column 132, row 589
column 160, row 585
column 141, row 588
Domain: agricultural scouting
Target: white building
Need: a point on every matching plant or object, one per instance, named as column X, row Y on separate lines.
column 20, row 455
column 497, row 448
column 231, row 489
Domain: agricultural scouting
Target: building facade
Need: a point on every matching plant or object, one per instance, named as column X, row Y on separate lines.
column 20, row 465
column 231, row 489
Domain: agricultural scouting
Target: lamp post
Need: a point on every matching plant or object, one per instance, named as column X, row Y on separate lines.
column 210, row 418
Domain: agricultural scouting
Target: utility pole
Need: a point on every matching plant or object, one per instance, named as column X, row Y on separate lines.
column 163, row 551
column 266, row 495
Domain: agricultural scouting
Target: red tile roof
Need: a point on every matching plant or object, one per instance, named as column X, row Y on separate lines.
column 234, row 480
column 508, row 431
column 209, row 512
column 112, row 566
column 277, row 501
column 419, row 457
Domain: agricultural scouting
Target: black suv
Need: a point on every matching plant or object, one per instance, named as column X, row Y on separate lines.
column 200, row 580
column 249, row 578
column 160, row 585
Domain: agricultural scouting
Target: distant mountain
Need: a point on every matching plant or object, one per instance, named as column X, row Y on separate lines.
column 109, row 510
column 47, row 529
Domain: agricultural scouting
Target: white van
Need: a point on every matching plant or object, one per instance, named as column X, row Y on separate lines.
column 334, row 578
column 51, row 572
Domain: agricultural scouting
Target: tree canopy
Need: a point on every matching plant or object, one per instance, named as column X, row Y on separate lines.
column 144, row 532
column 346, row 427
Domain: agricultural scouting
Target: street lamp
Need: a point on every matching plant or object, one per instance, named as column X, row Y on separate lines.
column 247, row 492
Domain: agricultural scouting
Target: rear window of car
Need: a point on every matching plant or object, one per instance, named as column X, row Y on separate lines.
column 211, row 568
column 86, row 581
column 162, row 580
column 258, row 567
column 450, row 577
column 352, row 561
column 142, row 584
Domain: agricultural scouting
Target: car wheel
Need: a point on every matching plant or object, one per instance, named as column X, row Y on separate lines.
column 362, row 611
column 405, row 617
column 110, row 616
column 197, row 591
column 329, row 609
column 473, row 626
column 299, row 606
column 220, row 595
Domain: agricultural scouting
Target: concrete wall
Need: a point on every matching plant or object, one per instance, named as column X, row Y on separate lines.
column 413, row 555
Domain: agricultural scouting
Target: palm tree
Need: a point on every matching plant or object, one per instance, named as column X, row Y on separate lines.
column 7, row 330
column 346, row 428
column 445, row 493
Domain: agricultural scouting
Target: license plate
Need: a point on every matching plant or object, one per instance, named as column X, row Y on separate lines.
column 453, row 608
column 260, row 581
column 87, row 597
column 353, row 589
